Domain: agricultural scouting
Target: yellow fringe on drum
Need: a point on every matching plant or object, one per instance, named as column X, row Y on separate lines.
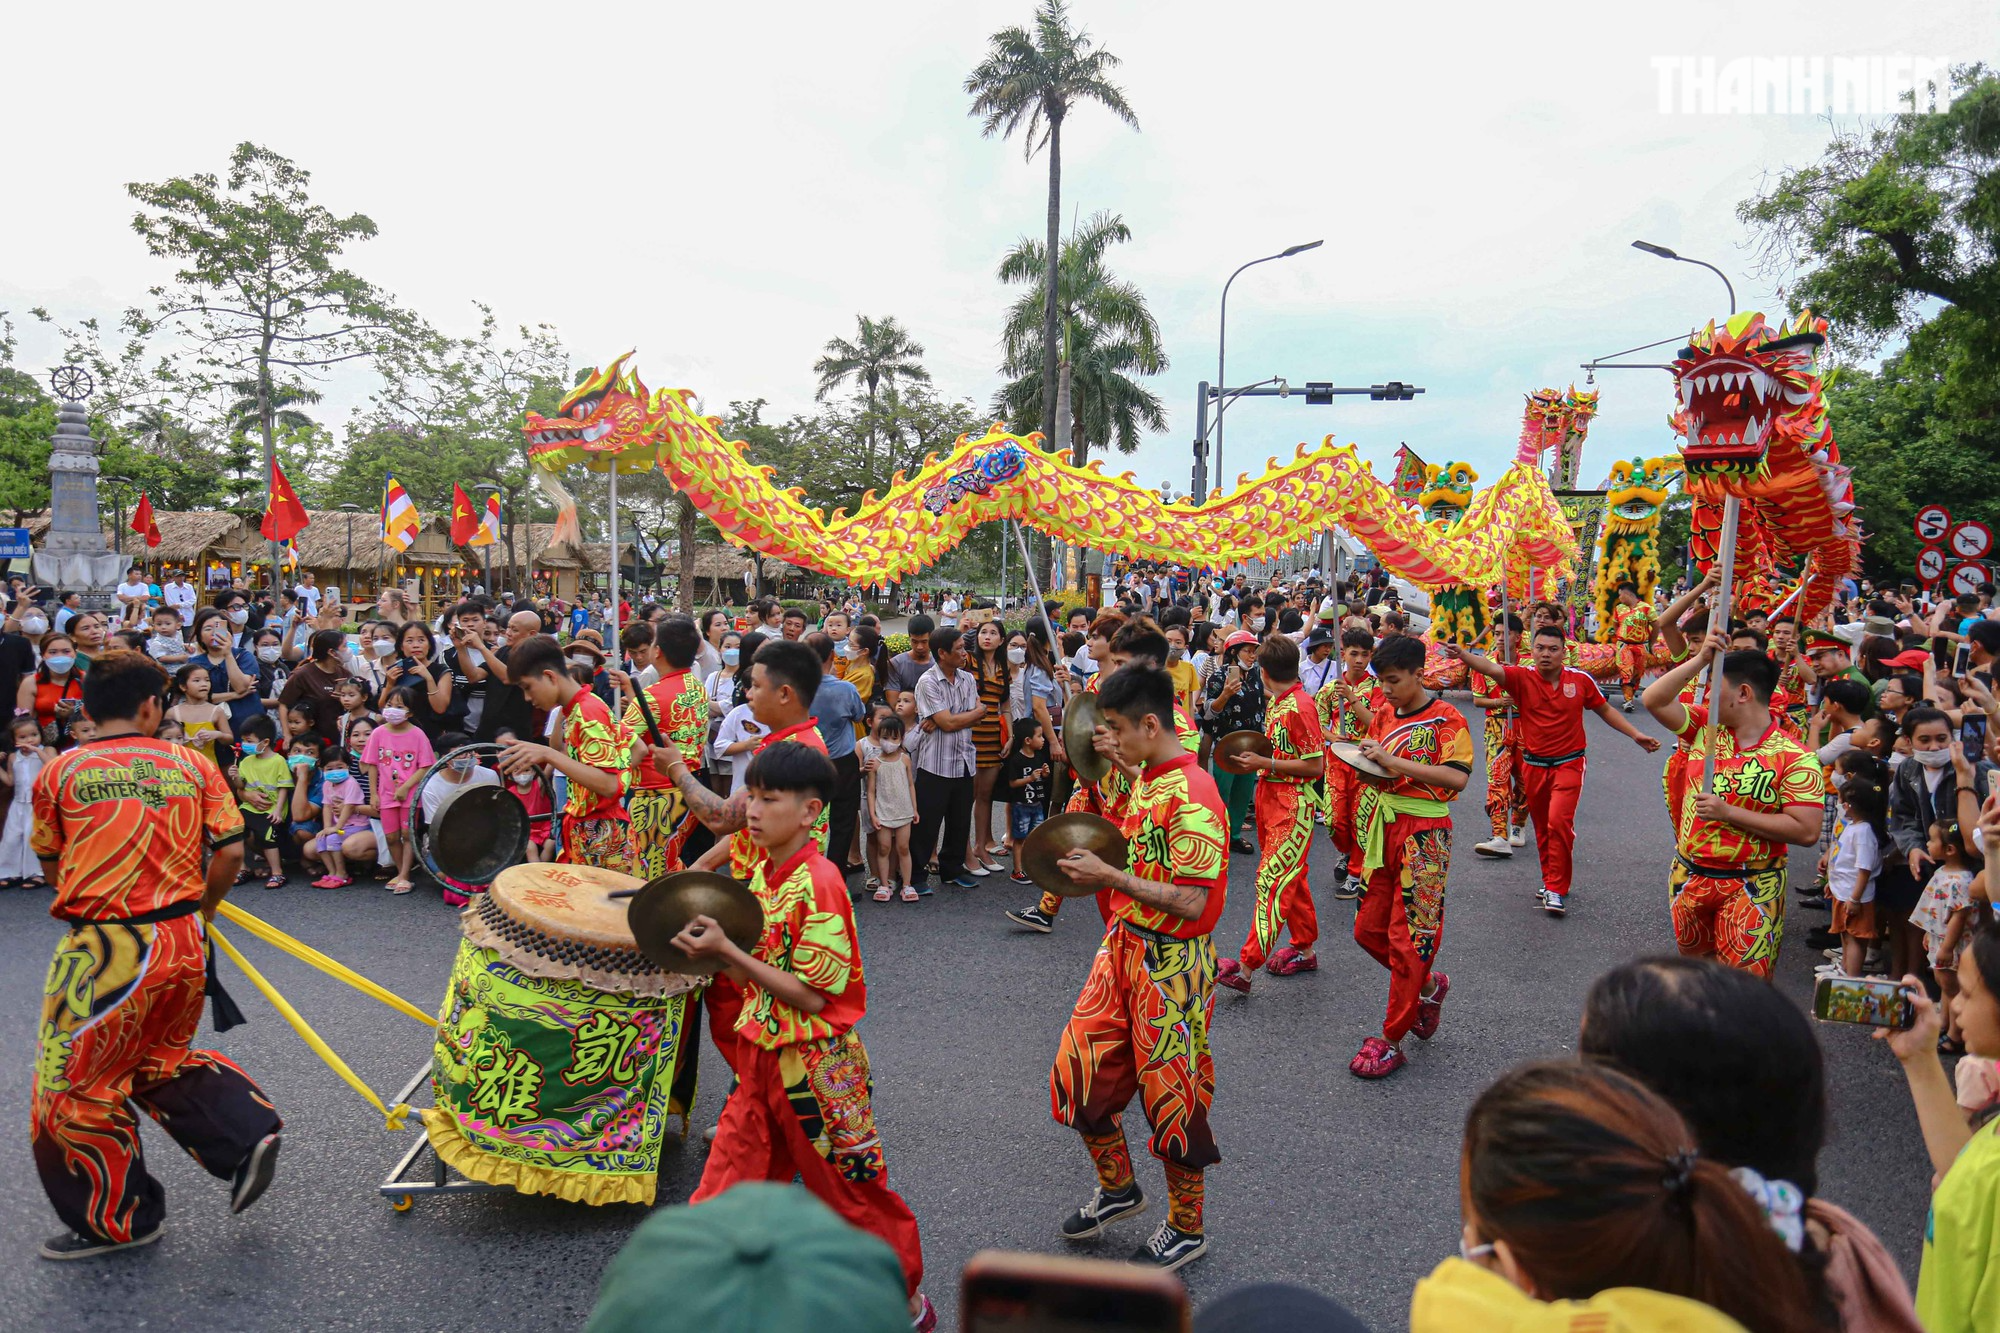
column 450, row 1144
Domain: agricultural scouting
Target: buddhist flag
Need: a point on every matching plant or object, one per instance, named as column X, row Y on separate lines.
column 399, row 515
column 284, row 516
column 464, row 522
column 143, row 522
column 489, row 524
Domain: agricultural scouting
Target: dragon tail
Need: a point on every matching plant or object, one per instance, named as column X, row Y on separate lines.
column 567, row 527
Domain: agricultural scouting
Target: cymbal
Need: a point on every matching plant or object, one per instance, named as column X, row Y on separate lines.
column 1079, row 732
column 1246, row 741
column 663, row 908
column 1347, row 752
column 1056, row 838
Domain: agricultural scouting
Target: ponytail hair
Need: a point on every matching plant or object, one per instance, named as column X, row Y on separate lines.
column 1595, row 1182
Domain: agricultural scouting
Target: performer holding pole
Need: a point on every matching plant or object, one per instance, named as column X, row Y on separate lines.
column 1506, row 790
column 674, row 708
column 1347, row 706
column 594, row 755
column 1552, row 699
column 1141, row 1022
column 1632, row 625
column 120, row 826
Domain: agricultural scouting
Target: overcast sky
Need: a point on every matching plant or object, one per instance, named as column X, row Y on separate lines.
column 726, row 187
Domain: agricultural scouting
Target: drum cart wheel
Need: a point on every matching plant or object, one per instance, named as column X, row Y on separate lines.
column 400, row 1188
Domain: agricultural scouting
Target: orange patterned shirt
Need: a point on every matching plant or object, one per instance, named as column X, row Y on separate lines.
column 125, row 819
column 1176, row 826
column 1346, row 709
column 1291, row 724
column 1767, row 777
column 680, row 711
column 808, row 932
column 1433, row 734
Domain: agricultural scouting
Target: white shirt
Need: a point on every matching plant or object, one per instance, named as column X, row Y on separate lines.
column 310, row 596
column 1856, row 851
column 136, row 590
column 737, row 727
column 180, row 596
column 438, row 790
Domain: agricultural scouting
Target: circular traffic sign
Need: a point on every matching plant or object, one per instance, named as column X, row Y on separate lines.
column 1966, row 578
column 1930, row 565
column 1970, row 540
column 1932, row 521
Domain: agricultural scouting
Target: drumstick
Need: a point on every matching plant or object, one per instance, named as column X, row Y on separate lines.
column 646, row 711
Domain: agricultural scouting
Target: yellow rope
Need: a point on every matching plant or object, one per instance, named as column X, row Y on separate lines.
column 271, row 935
column 391, row 1116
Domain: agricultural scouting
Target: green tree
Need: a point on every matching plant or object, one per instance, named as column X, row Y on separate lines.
column 260, row 295
column 27, row 424
column 1107, row 335
column 883, row 353
column 1031, row 81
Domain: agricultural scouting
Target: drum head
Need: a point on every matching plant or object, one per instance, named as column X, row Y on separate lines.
column 480, row 832
column 666, row 905
column 567, row 902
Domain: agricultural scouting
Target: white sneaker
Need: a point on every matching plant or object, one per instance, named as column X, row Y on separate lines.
column 1494, row 847
column 1829, row 970
column 1519, row 837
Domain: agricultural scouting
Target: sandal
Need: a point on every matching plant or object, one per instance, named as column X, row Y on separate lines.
column 910, row 893
column 275, row 882
column 884, row 893
column 400, row 886
column 1950, row 1046
column 330, row 881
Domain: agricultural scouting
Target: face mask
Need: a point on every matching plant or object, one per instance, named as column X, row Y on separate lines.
column 302, row 761
column 1258, row 625
column 523, row 779
column 731, row 656
column 1932, row 758
column 465, row 763
column 385, row 647
column 394, row 715
column 1018, row 656
column 890, row 747
column 270, row 652
column 34, row 625
column 336, row 776
column 1174, row 653
column 249, row 748
column 587, row 663
column 238, row 615
column 59, row 664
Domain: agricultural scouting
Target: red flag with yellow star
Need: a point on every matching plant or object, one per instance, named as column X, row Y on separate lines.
column 284, row 516
column 464, row 518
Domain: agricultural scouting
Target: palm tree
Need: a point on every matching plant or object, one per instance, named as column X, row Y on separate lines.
column 883, row 353
column 1033, row 79
column 246, row 413
column 1105, row 334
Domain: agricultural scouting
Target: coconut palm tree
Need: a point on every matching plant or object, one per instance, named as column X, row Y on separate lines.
column 1106, row 335
column 245, row 413
column 1031, row 80
column 884, row 353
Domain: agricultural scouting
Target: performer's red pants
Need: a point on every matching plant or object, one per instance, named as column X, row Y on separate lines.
column 1631, row 666
column 1284, row 899
column 1343, row 785
column 119, row 1013
column 807, row 1110
column 1400, row 921
column 1505, row 801
column 1552, row 797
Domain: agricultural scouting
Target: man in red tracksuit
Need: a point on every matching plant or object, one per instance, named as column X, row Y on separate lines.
column 1552, row 699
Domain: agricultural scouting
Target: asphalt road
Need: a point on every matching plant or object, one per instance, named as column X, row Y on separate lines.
column 1345, row 1186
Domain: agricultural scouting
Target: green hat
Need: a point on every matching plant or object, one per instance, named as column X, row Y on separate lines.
column 758, row 1257
column 1818, row 640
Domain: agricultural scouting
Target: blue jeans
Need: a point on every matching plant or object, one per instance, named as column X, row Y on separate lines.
column 1025, row 818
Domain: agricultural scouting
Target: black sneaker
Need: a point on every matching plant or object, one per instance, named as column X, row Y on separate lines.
column 1348, row 889
column 254, row 1176
column 1819, row 937
column 1103, row 1209
column 1170, row 1249
column 76, row 1245
column 1033, row 918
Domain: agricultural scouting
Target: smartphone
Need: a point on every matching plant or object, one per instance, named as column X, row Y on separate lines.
column 1875, row 1002
column 1961, row 660
column 1005, row 1292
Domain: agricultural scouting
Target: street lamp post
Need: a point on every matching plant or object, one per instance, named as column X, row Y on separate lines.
column 1665, row 253
column 1222, row 335
column 347, row 566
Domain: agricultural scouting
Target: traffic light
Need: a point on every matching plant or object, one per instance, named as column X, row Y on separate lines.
column 1319, row 393
column 1395, row 391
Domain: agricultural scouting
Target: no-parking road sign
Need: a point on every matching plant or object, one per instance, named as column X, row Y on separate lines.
column 1967, row 577
column 1932, row 522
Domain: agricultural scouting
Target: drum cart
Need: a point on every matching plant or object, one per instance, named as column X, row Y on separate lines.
column 399, row 1188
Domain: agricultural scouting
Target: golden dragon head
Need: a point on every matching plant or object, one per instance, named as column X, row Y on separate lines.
column 1447, row 491
column 610, row 415
column 1744, row 388
column 1636, row 491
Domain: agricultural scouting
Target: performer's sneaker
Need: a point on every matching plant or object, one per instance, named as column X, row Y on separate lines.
column 1289, row 962
column 1496, row 846
column 1376, row 1059
column 1552, row 903
column 1033, row 918
column 76, row 1245
column 927, row 1320
column 1349, row 888
column 1230, row 973
column 254, row 1176
column 1104, row 1208
column 1430, row 1008
column 1171, row 1248
column 1519, row 837
column 1628, row 705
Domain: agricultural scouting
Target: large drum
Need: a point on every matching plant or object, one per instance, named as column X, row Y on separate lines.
column 559, row 1042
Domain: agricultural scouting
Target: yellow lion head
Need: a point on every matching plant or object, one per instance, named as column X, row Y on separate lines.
column 1447, row 491
column 1637, row 489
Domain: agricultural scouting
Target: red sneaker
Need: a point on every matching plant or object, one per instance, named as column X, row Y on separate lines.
column 1376, row 1059
column 1229, row 972
column 1430, row 1008
column 1289, row 962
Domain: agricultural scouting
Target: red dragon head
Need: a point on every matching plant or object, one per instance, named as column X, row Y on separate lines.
column 610, row 415
column 1744, row 388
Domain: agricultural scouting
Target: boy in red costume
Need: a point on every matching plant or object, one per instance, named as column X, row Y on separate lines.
column 660, row 819
column 1506, row 789
column 1347, row 706
column 1633, row 625
column 593, row 755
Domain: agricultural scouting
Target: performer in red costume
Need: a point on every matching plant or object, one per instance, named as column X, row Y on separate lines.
column 1552, row 699
column 1347, row 706
column 1506, row 789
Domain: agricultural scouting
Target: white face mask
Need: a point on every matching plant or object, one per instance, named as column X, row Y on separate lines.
column 890, row 747
column 582, row 661
column 1932, row 758
column 384, row 647
column 34, row 625
column 524, row 779
column 1258, row 624
column 238, row 615
column 1017, row 656
column 270, row 652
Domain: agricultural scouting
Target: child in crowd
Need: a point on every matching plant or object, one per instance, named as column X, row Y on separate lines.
column 533, row 793
column 1026, row 779
column 81, row 729
column 892, row 808
column 301, row 719
column 19, row 869
column 263, row 783
column 170, row 731
column 1857, row 862
column 733, row 742
column 203, row 721
column 344, row 826
column 462, row 773
column 869, row 753
column 1945, row 915
column 364, row 781
column 308, row 799
column 353, row 695
column 166, row 646
column 396, row 755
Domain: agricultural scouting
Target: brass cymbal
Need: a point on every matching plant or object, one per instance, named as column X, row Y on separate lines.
column 1246, row 741
column 1347, row 752
column 1079, row 733
column 1056, row 838
column 663, row 908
